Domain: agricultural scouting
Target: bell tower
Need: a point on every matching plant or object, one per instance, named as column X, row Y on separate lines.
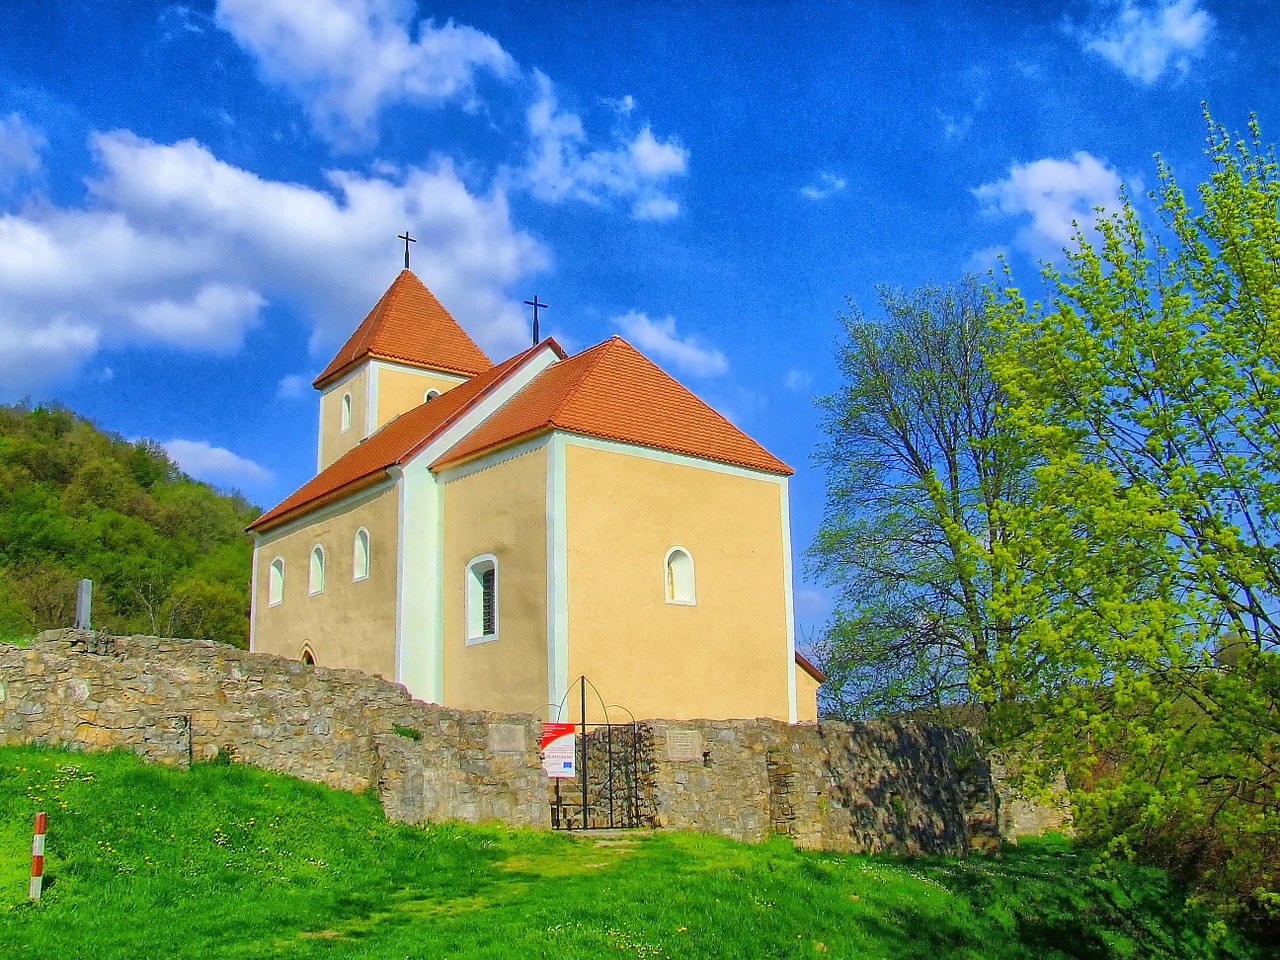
column 407, row 350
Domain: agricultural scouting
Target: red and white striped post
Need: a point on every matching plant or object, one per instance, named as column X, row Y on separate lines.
column 37, row 856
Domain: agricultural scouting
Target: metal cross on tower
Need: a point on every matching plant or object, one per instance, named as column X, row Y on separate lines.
column 535, row 304
column 407, row 240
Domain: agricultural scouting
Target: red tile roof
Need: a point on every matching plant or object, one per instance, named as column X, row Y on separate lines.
column 408, row 325
column 804, row 664
column 397, row 441
column 613, row 391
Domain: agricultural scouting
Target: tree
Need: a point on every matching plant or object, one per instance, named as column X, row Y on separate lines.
column 166, row 554
column 1147, row 387
column 918, row 464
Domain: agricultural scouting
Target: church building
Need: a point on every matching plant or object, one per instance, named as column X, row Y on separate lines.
column 485, row 534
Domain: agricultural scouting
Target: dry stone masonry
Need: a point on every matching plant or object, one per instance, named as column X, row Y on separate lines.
column 868, row 787
column 179, row 701
column 876, row 786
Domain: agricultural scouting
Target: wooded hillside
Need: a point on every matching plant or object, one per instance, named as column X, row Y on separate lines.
column 167, row 554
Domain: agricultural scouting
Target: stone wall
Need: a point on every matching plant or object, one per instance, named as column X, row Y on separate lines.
column 878, row 786
column 868, row 787
column 175, row 701
column 1029, row 816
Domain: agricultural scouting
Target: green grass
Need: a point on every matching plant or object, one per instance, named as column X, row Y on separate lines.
column 229, row 861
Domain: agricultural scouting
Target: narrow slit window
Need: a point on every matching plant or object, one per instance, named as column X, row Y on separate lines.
column 308, row 657
column 317, row 569
column 679, row 577
column 482, row 599
column 346, row 412
column 360, row 562
column 275, row 582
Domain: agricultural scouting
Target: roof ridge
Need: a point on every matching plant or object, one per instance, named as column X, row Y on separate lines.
column 581, row 378
column 376, row 315
column 380, row 309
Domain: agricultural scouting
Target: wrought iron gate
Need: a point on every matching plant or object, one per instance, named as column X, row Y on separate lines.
column 610, row 789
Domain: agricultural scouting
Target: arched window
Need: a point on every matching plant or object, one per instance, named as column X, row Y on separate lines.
column 307, row 656
column 317, row 569
column 430, row 395
column 275, row 582
column 346, row 412
column 482, row 599
column 360, row 562
column 679, row 572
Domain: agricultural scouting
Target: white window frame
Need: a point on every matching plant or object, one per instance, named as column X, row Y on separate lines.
column 356, row 575
column 312, row 588
column 345, row 416
column 473, row 612
column 275, row 582
column 670, row 589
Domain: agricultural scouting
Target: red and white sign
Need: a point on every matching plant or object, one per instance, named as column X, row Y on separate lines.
column 559, row 750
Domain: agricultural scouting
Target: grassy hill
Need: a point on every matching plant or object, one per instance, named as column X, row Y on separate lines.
column 167, row 554
column 229, row 861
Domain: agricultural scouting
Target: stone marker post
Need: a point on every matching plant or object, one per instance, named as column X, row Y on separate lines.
column 84, row 605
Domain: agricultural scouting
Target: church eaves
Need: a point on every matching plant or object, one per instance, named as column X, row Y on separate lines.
column 614, row 392
column 409, row 325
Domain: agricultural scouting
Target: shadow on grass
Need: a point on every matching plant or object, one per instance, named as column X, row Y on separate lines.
column 1123, row 911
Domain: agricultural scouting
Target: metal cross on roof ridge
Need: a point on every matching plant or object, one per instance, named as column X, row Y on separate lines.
column 408, row 240
column 535, row 304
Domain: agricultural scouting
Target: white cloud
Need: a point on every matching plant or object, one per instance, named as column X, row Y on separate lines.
column 655, row 160
column 178, row 247
column 798, row 380
column 178, row 20
column 49, row 349
column 1054, row 194
column 200, row 320
column 20, row 146
column 623, row 105
column 1144, row 41
column 659, row 338
column 347, row 59
column 655, row 208
column 293, row 387
column 955, row 127
column 984, row 260
column 214, row 464
column 560, row 166
column 826, row 185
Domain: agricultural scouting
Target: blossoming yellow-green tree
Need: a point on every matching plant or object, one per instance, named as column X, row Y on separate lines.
column 1146, row 389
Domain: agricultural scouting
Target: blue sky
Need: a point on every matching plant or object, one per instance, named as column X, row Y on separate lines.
column 199, row 202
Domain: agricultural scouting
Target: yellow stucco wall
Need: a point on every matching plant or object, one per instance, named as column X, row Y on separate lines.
column 725, row 656
column 402, row 388
column 334, row 442
column 806, row 697
column 500, row 510
column 350, row 623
